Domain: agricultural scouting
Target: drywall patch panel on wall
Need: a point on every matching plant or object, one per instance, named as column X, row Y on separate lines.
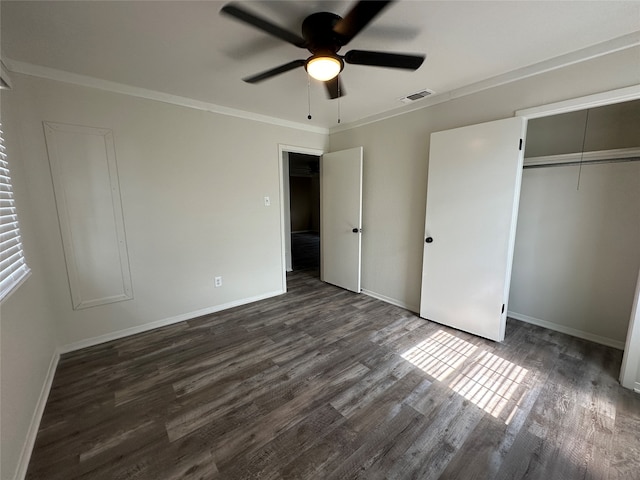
column 87, row 192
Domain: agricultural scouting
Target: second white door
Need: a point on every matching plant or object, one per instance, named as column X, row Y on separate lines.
column 341, row 218
column 472, row 204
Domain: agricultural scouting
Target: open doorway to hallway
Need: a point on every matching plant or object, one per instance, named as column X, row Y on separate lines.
column 304, row 204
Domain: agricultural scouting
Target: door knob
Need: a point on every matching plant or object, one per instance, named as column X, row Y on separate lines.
column 429, row 240
column 355, row 230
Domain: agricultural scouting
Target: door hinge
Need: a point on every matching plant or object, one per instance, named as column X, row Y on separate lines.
column 502, row 308
column 520, row 147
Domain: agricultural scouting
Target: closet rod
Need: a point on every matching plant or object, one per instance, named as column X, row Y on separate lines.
column 577, row 162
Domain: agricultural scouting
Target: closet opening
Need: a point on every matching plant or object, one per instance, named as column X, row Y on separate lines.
column 576, row 258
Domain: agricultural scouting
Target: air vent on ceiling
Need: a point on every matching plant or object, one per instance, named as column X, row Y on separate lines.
column 417, row 96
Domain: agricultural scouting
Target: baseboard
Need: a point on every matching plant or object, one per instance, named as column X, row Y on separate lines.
column 90, row 342
column 27, row 448
column 390, row 300
column 609, row 342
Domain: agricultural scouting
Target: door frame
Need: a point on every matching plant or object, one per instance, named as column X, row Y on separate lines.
column 629, row 373
column 285, row 207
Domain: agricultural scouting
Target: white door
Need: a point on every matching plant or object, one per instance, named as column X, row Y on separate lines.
column 472, row 206
column 341, row 218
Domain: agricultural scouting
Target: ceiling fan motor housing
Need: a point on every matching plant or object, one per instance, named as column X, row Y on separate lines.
column 317, row 30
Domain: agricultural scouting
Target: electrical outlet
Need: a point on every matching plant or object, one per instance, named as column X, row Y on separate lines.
column 267, row 202
column 218, row 282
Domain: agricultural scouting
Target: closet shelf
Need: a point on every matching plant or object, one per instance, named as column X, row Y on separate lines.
column 599, row 156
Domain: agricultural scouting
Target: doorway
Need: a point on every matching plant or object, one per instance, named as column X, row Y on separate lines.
column 630, row 371
column 576, row 251
column 329, row 235
column 284, row 152
column 304, row 211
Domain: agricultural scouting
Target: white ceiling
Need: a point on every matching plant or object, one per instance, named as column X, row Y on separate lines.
column 188, row 49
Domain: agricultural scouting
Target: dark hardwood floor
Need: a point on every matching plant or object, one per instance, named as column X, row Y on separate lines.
column 321, row 383
column 305, row 251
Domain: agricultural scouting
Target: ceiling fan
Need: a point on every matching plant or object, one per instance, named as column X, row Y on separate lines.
column 324, row 34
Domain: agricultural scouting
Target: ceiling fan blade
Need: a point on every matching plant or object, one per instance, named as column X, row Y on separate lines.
column 245, row 16
column 358, row 17
column 335, row 87
column 384, row 59
column 274, row 71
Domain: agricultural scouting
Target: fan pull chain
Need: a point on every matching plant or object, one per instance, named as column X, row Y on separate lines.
column 309, row 95
column 584, row 139
column 339, row 96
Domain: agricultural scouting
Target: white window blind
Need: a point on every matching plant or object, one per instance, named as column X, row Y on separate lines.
column 13, row 268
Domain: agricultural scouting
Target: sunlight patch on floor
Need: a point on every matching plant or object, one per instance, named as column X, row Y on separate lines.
column 440, row 354
column 489, row 381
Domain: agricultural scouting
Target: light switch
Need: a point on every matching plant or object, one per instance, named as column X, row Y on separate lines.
column 267, row 202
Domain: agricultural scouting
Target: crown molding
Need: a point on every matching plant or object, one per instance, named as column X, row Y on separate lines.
column 605, row 48
column 48, row 73
column 620, row 95
column 594, row 51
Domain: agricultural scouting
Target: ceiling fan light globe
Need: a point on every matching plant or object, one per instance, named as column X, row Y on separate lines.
column 324, row 68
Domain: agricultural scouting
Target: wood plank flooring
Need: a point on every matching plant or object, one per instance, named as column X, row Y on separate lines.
column 321, row 383
column 305, row 250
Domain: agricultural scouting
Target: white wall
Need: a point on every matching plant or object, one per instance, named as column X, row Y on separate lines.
column 609, row 127
column 396, row 162
column 28, row 327
column 193, row 185
column 577, row 252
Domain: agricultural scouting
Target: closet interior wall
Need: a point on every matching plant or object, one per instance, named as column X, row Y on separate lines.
column 576, row 257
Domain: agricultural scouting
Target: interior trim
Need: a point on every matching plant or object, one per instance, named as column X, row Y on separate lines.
column 392, row 301
column 34, row 426
column 594, row 51
column 609, row 342
column 582, row 103
column 282, row 149
column 114, row 87
column 90, row 342
column 611, row 46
